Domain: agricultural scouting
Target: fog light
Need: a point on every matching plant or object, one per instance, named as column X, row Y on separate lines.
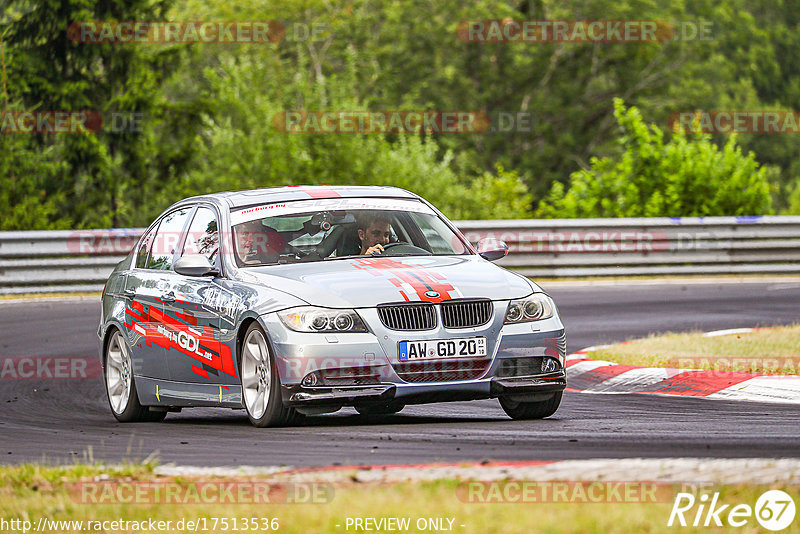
column 549, row 365
column 310, row 379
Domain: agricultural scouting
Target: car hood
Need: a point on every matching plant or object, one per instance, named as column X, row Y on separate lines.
column 367, row 281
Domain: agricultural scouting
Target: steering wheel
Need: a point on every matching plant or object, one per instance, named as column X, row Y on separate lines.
column 405, row 248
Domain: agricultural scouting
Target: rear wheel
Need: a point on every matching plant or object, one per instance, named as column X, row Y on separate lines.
column 261, row 385
column 121, row 385
column 388, row 408
column 531, row 409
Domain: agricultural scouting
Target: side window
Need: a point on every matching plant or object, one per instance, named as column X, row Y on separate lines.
column 203, row 236
column 167, row 239
column 144, row 249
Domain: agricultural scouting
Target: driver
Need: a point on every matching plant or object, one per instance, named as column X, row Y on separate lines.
column 374, row 231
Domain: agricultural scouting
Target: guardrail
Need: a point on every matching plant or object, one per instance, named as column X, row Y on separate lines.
column 80, row 260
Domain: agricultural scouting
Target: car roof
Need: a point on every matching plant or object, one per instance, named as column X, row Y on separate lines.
column 238, row 199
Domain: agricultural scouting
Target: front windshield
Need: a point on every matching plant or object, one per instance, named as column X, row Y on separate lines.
column 327, row 229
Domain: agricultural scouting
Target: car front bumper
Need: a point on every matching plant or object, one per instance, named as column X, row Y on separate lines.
column 299, row 354
column 532, row 387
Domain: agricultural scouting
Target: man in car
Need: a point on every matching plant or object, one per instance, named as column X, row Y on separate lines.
column 254, row 242
column 374, row 231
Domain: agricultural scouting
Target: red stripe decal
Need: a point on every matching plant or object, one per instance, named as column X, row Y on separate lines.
column 317, row 191
column 201, row 372
column 186, row 317
column 421, row 280
column 220, row 355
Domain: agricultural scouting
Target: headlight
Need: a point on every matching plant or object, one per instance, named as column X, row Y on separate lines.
column 311, row 319
column 534, row 308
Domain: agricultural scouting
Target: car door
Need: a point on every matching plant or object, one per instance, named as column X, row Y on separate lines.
column 142, row 313
column 146, row 287
column 201, row 311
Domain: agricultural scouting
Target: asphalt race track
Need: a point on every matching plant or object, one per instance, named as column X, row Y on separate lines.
column 61, row 420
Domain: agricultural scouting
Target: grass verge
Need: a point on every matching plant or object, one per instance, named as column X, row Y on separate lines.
column 33, row 492
column 768, row 351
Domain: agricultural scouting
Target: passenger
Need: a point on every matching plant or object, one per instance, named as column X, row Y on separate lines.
column 257, row 244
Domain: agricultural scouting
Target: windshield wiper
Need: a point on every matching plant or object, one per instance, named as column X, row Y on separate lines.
column 345, row 257
column 378, row 256
column 411, row 254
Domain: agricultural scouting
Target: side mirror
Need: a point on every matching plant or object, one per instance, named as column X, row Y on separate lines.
column 491, row 249
column 195, row 265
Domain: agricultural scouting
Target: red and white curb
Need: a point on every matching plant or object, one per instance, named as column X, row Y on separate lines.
column 598, row 376
column 677, row 470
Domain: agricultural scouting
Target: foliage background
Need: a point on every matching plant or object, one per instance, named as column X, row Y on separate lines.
column 209, row 109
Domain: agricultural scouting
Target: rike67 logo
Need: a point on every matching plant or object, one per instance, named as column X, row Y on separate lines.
column 774, row 510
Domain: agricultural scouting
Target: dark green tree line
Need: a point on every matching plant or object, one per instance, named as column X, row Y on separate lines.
column 209, row 108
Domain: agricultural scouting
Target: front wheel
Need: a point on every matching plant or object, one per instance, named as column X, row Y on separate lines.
column 121, row 385
column 521, row 410
column 261, row 385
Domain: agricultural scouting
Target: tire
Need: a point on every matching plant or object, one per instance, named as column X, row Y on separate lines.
column 388, row 408
column 261, row 385
column 121, row 384
column 521, row 410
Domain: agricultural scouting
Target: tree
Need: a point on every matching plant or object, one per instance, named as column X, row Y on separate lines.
column 242, row 148
column 685, row 176
column 49, row 71
column 24, row 172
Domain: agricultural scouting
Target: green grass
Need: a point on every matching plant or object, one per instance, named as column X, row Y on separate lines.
column 31, row 491
column 769, row 351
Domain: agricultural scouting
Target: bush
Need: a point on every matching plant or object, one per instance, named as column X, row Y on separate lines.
column 686, row 176
column 794, row 200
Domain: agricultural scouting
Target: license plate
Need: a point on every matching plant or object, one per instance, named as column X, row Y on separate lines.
column 442, row 348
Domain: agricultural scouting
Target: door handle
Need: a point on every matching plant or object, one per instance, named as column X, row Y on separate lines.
column 169, row 297
column 129, row 293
